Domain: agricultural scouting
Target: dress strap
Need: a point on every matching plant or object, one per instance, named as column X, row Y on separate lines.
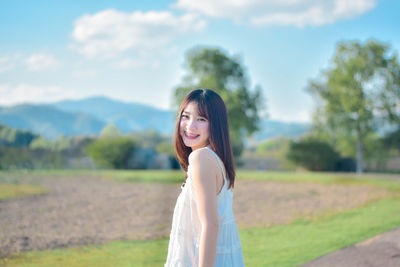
column 219, row 162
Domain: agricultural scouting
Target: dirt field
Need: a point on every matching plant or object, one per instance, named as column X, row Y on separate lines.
column 87, row 210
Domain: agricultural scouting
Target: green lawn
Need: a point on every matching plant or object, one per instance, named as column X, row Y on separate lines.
column 177, row 176
column 304, row 240
column 283, row 245
column 8, row 191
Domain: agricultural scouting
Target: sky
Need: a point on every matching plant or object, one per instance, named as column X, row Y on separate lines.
column 134, row 51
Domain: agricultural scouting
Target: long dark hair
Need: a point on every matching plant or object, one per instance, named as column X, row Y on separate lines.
column 210, row 106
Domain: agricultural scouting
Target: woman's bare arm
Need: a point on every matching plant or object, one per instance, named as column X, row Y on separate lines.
column 204, row 175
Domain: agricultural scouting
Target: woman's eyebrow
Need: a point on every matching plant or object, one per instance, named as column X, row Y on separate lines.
column 186, row 112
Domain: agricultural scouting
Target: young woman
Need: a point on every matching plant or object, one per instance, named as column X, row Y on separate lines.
column 204, row 230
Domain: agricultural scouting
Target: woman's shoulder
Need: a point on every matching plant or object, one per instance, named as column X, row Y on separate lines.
column 202, row 156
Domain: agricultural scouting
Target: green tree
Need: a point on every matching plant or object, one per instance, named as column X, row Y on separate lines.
column 25, row 158
column 358, row 92
column 111, row 152
column 41, row 143
column 214, row 69
column 61, row 144
column 314, row 155
column 166, row 148
column 376, row 154
column 110, row 131
column 15, row 137
column 148, row 138
column 392, row 140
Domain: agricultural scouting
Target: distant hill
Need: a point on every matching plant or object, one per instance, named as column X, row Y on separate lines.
column 88, row 117
column 126, row 116
column 271, row 129
column 274, row 128
column 49, row 121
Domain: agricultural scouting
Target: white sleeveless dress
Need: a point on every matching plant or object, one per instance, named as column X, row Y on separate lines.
column 183, row 248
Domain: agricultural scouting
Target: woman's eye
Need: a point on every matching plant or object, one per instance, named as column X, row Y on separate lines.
column 202, row 119
column 185, row 116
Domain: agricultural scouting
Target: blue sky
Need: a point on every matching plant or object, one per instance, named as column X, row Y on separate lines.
column 134, row 50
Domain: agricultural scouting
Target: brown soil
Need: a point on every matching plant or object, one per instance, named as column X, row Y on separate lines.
column 91, row 210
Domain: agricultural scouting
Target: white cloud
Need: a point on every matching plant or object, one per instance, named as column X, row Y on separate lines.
column 41, row 61
column 298, row 13
column 110, row 32
column 129, row 63
column 314, row 16
column 6, row 64
column 23, row 93
column 84, row 73
column 9, row 62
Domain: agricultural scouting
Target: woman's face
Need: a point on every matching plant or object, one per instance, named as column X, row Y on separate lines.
column 194, row 129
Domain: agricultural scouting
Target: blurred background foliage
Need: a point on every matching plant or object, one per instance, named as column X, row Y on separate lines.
column 209, row 67
column 356, row 121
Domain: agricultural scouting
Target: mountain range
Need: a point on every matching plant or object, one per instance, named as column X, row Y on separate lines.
column 89, row 116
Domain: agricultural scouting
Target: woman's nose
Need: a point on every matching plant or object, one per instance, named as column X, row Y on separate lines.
column 191, row 124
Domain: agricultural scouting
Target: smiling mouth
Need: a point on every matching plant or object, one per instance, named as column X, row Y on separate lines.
column 191, row 137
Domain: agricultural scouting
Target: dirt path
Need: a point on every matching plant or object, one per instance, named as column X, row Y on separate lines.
column 87, row 210
column 381, row 250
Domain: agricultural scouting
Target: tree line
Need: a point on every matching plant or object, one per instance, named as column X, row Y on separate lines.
column 110, row 149
column 357, row 96
column 357, row 115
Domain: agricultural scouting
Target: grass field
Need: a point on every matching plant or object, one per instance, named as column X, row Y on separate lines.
column 8, row 191
column 282, row 245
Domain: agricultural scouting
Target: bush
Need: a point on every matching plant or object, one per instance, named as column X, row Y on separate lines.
column 345, row 165
column 111, row 152
column 25, row 158
column 314, row 155
column 14, row 137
